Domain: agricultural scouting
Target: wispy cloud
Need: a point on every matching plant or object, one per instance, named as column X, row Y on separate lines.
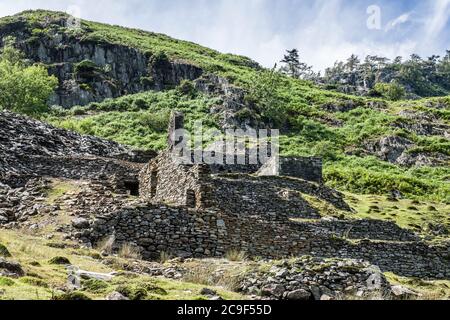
column 438, row 19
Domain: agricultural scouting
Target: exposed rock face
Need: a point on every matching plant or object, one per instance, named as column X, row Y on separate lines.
column 91, row 71
column 398, row 150
column 391, row 148
column 233, row 110
column 422, row 123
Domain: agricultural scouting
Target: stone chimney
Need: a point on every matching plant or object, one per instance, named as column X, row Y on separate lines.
column 175, row 139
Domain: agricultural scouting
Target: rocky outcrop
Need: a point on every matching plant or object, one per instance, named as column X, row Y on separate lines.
column 10, row 269
column 390, row 148
column 93, row 70
column 399, row 150
column 422, row 123
column 232, row 110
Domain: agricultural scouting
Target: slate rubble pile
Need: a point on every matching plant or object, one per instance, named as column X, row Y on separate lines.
column 17, row 205
column 310, row 278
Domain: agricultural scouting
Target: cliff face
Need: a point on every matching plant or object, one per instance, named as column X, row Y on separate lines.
column 91, row 71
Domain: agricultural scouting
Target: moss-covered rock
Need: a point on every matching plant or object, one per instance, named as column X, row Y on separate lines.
column 4, row 251
column 34, row 282
column 59, row 261
column 95, row 285
column 74, row 296
column 6, row 282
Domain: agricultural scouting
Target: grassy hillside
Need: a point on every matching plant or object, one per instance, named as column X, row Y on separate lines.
column 315, row 121
column 140, row 121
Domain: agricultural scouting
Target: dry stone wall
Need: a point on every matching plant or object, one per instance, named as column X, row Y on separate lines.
column 209, row 233
column 363, row 229
column 270, row 196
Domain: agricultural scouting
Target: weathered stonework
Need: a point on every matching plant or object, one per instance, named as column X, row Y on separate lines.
column 167, row 180
column 211, row 233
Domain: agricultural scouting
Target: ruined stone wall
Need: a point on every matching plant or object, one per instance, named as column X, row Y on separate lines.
column 410, row 259
column 163, row 180
column 306, row 168
column 208, row 233
column 363, row 229
column 270, row 196
column 108, row 171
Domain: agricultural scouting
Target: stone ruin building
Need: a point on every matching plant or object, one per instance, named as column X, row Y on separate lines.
column 238, row 188
column 269, row 210
column 202, row 210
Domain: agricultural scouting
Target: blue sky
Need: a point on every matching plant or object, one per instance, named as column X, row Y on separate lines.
column 323, row 30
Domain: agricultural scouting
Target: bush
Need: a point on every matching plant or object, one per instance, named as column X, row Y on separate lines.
column 187, row 88
column 95, row 286
column 236, row 255
column 158, row 59
column 391, row 91
column 34, row 282
column 140, row 291
column 85, row 67
column 6, row 282
column 130, row 251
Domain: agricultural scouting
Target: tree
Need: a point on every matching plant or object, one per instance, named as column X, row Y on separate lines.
column 391, row 91
column 293, row 67
column 352, row 68
column 291, row 63
column 24, row 88
column 264, row 92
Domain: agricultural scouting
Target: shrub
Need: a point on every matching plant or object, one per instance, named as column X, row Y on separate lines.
column 95, row 286
column 392, row 91
column 6, row 282
column 107, row 244
column 130, row 251
column 85, row 66
column 34, row 282
column 236, row 255
column 158, row 59
column 187, row 88
column 24, row 88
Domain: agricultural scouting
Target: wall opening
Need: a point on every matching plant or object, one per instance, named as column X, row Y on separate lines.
column 132, row 187
column 153, row 183
column 191, row 199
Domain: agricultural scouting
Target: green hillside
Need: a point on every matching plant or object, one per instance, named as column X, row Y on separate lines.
column 314, row 121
